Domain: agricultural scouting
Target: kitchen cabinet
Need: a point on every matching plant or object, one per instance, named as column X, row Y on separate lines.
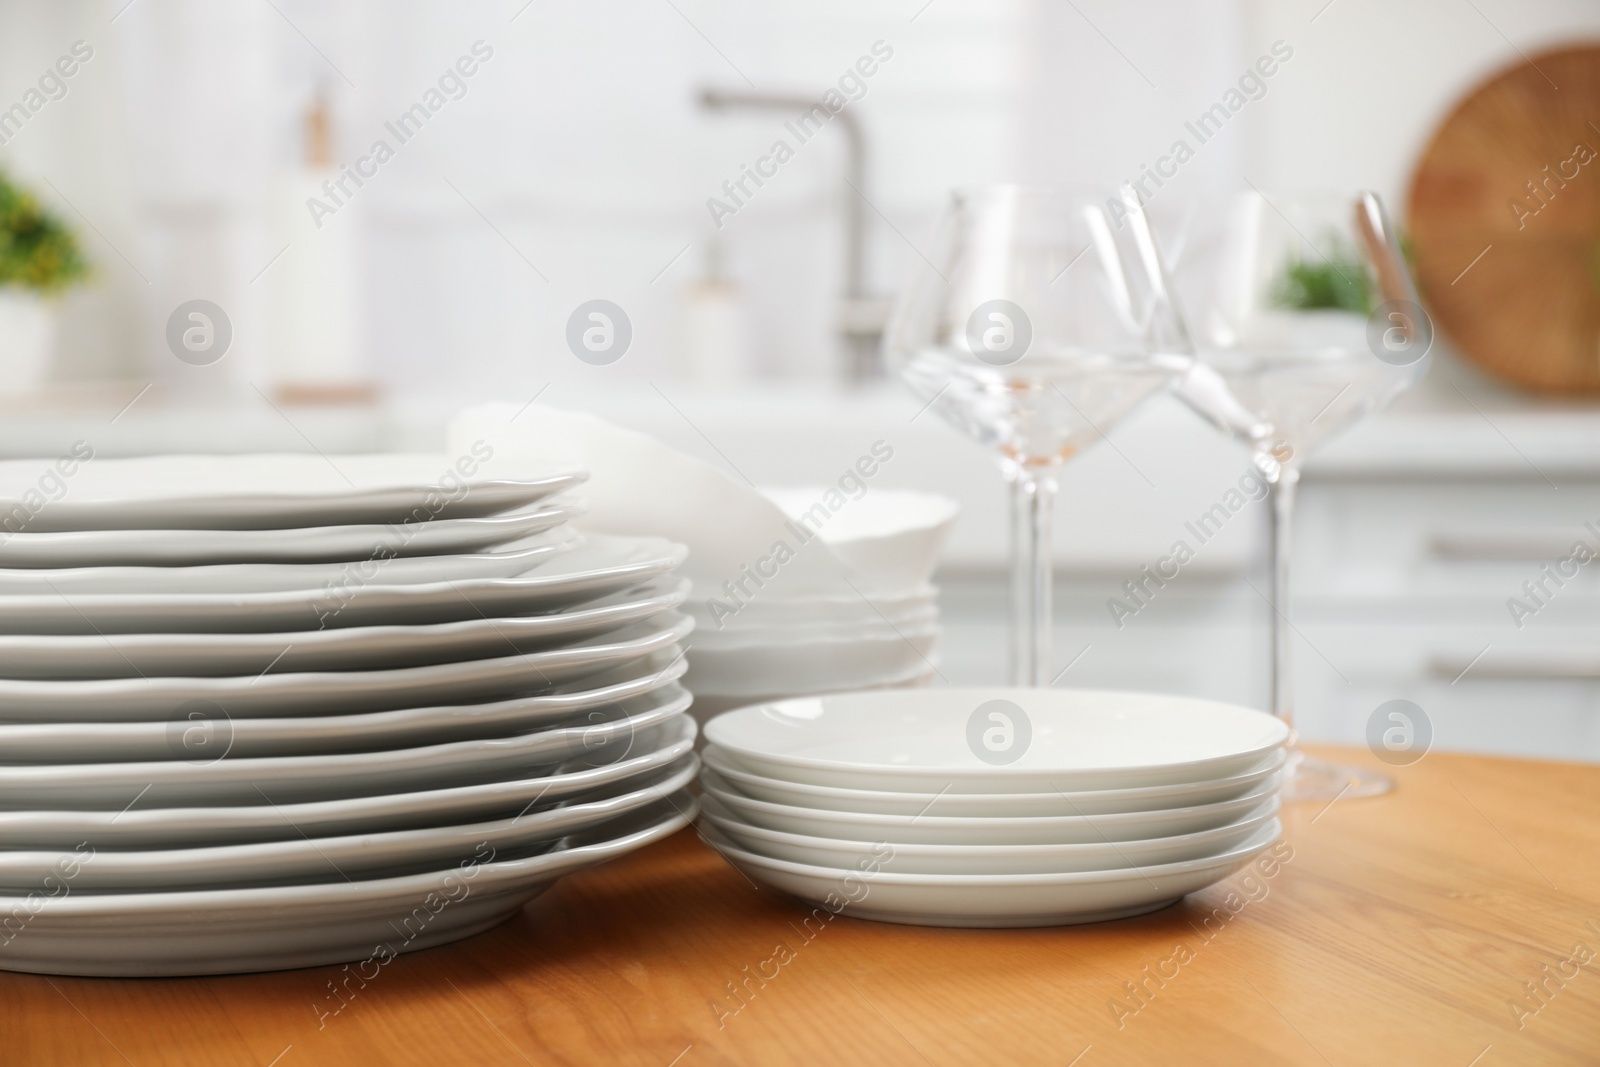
column 1463, row 592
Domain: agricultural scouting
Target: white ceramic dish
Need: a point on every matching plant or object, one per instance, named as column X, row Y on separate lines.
column 139, row 826
column 296, row 779
column 228, row 931
column 984, row 830
column 983, row 805
column 349, row 648
column 989, row 858
column 334, row 692
column 778, row 612
column 928, row 740
column 789, row 638
column 325, row 859
column 1002, row 900
column 573, row 570
column 256, row 492
column 800, row 667
column 502, row 562
column 889, row 538
column 304, row 544
column 306, row 735
column 709, row 703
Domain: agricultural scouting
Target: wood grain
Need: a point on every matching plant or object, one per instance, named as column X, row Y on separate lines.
column 1401, row 931
column 1504, row 220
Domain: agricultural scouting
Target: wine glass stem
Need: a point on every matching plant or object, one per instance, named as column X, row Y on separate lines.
column 1033, row 494
column 1281, row 491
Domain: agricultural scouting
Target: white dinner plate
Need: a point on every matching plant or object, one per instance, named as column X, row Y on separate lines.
column 228, row 931
column 348, row 648
column 988, row 858
column 995, row 740
column 135, row 825
column 981, row 830
column 333, row 692
column 199, row 736
column 880, row 802
column 304, row 544
column 255, row 492
column 295, row 779
column 296, row 861
column 575, row 569
column 1000, row 900
column 70, row 582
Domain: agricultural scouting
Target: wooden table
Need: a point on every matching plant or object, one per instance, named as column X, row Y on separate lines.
column 1403, row 930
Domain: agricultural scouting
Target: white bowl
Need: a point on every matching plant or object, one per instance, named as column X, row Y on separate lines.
column 999, row 900
column 995, row 740
column 889, row 538
column 771, row 609
column 808, row 666
column 873, row 628
column 997, row 830
column 708, row 703
column 988, row 858
column 981, row 805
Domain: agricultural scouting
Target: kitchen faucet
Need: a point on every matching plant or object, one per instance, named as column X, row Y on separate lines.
column 861, row 317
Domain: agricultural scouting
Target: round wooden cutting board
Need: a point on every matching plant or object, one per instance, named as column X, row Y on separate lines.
column 1504, row 220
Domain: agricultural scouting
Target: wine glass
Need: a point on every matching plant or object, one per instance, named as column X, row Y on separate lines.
column 1040, row 317
column 1305, row 320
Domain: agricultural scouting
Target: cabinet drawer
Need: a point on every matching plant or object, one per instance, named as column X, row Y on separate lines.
column 1460, row 540
column 1485, row 688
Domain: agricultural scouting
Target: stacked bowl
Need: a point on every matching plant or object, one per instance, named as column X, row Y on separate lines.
column 277, row 711
column 876, row 627
column 988, row 808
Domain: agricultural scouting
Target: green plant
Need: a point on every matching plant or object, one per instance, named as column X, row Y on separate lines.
column 37, row 250
column 1338, row 283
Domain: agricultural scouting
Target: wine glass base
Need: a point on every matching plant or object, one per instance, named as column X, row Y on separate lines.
column 1306, row 778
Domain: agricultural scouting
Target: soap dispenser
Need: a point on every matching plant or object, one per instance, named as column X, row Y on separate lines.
column 714, row 328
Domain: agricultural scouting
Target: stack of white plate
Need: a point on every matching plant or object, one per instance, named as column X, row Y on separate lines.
column 276, row 711
column 1019, row 807
column 877, row 628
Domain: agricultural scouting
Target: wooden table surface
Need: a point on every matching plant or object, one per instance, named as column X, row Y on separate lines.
column 1455, row 921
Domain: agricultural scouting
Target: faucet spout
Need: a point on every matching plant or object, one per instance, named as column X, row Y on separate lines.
column 862, row 318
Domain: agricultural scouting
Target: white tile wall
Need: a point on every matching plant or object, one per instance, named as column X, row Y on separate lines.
column 582, row 143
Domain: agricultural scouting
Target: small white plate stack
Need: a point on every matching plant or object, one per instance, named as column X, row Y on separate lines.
column 988, row 808
column 877, row 629
column 278, row 711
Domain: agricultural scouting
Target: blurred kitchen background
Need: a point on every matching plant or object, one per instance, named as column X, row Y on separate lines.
column 575, row 163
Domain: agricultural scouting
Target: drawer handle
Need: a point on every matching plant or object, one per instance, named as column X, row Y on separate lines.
column 1506, row 547
column 1552, row 668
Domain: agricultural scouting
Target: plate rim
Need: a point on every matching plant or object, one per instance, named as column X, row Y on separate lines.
column 1246, row 850
column 971, row 774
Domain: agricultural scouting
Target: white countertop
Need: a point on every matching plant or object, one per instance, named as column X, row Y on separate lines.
column 1122, row 504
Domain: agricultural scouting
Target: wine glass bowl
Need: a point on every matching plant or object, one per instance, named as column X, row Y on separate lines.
column 1307, row 312
column 1305, row 321
column 1039, row 319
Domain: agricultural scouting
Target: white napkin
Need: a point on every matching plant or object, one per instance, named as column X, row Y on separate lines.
column 741, row 544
